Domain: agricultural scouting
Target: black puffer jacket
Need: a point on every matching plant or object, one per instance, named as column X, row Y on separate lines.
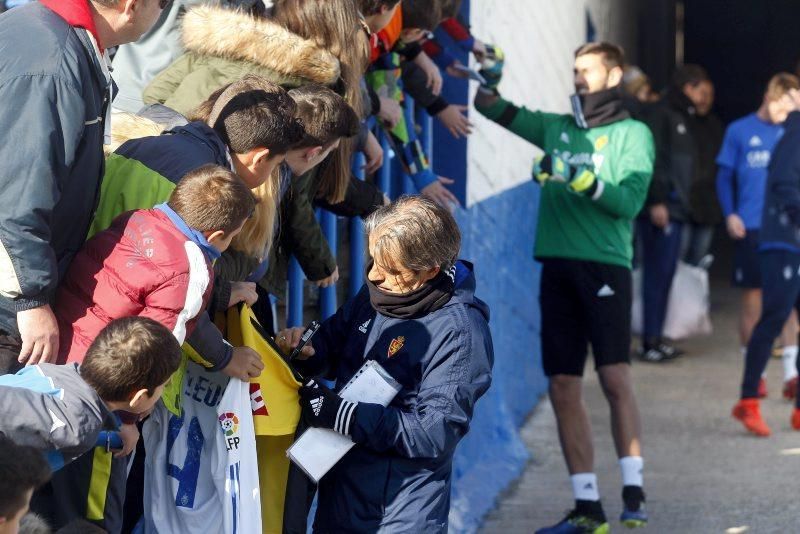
column 685, row 169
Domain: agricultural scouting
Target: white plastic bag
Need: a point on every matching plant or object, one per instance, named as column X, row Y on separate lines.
column 688, row 305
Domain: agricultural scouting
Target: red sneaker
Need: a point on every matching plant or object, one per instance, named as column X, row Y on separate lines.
column 749, row 413
column 790, row 389
column 762, row 388
column 796, row 418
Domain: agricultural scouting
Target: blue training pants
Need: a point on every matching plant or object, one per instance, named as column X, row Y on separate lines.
column 780, row 272
column 660, row 250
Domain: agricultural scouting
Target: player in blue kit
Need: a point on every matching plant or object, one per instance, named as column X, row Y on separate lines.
column 743, row 161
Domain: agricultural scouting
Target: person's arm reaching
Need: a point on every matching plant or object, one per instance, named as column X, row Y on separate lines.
column 301, row 234
column 360, row 199
column 33, row 171
column 529, row 125
column 323, row 353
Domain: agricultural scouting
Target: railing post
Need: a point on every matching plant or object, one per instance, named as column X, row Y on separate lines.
column 408, row 111
column 357, row 237
column 294, row 304
column 327, row 295
column 385, row 174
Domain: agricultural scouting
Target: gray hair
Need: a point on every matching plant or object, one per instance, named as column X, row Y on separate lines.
column 415, row 232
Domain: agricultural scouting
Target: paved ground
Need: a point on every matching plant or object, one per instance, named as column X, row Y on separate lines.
column 703, row 473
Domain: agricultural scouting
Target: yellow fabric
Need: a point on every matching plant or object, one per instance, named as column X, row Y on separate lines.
column 277, row 384
column 98, row 484
column 273, row 472
column 172, row 391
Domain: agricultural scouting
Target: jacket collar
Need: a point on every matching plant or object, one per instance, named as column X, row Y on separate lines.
column 238, row 36
column 193, row 235
column 77, row 13
column 466, row 284
column 208, row 136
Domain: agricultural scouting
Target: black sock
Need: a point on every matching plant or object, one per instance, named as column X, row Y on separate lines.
column 633, row 497
column 591, row 509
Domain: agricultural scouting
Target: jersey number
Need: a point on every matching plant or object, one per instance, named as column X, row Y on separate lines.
column 186, row 475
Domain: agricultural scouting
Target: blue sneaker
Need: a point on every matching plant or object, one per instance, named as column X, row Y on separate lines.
column 634, row 513
column 577, row 523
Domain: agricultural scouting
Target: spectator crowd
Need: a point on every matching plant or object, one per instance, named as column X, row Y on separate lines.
column 142, row 212
column 166, row 162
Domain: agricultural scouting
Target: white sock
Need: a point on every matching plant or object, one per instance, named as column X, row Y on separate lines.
column 631, row 467
column 584, row 487
column 789, row 359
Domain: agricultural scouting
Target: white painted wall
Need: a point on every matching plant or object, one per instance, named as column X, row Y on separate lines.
column 539, row 38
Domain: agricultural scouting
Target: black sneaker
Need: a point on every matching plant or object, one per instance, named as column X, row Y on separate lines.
column 670, row 352
column 578, row 523
column 651, row 355
column 634, row 513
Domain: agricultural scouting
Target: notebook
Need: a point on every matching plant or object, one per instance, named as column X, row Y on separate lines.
column 319, row 449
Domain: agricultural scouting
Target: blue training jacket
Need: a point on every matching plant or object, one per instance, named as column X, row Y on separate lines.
column 780, row 222
column 398, row 477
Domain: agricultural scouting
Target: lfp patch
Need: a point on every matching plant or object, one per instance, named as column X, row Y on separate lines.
column 229, row 423
column 396, row 344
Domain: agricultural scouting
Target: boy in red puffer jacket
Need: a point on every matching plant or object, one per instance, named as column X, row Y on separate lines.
column 154, row 263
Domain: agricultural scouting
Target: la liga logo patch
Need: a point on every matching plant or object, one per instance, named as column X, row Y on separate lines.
column 229, row 423
column 396, row 344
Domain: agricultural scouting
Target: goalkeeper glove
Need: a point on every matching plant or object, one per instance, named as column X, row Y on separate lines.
column 578, row 179
column 492, row 67
column 583, row 180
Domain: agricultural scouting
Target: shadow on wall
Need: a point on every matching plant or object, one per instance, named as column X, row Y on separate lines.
column 498, row 237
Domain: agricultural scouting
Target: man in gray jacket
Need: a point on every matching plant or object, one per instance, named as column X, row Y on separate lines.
column 56, row 88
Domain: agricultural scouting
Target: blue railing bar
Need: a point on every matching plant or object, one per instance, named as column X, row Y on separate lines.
column 357, row 237
column 294, row 301
column 327, row 295
column 408, row 113
column 385, row 174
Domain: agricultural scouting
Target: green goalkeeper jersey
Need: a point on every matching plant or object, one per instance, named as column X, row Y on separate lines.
column 573, row 225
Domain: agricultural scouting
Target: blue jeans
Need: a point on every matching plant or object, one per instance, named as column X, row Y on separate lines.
column 659, row 257
column 780, row 292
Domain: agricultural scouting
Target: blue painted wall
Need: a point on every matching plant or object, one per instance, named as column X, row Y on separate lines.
column 498, row 237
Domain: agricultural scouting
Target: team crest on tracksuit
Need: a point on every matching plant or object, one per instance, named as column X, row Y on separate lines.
column 396, row 344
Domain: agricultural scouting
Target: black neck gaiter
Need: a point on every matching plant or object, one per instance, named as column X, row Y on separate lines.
column 429, row 297
column 598, row 109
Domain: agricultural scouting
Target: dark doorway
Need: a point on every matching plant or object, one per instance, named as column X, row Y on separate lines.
column 742, row 43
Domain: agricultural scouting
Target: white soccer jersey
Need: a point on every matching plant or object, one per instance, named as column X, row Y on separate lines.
column 201, row 472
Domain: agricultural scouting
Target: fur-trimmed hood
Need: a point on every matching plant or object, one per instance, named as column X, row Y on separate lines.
column 237, row 36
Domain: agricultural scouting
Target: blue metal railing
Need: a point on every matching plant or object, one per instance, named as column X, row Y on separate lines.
column 388, row 175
